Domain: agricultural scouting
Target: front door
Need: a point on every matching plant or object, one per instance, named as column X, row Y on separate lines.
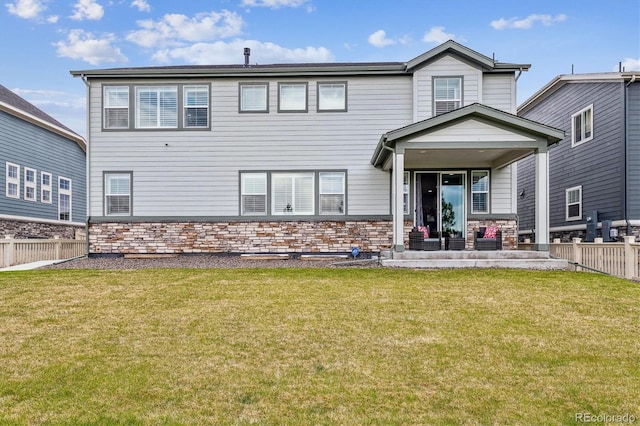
column 440, row 202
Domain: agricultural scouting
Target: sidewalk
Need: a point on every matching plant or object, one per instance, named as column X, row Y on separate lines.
column 32, row 265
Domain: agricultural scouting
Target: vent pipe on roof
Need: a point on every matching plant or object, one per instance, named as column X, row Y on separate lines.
column 247, row 53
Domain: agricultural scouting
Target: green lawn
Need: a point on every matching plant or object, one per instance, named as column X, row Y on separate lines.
column 316, row 346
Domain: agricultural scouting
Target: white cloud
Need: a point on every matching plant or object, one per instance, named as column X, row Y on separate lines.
column 175, row 29
column 27, row 9
column 84, row 46
column 526, row 23
column 379, row 39
column 233, row 53
column 437, row 35
column 276, row 4
column 629, row 64
column 53, row 19
column 87, row 9
column 142, row 5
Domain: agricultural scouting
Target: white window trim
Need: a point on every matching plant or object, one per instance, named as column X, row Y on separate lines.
column 241, row 107
column 107, row 107
column 30, row 184
column 459, row 99
column 573, row 126
column 488, row 191
column 243, row 193
column 342, row 192
column 12, row 180
column 158, row 89
column 186, row 107
column 405, row 191
column 108, row 175
column 65, row 192
column 579, row 203
column 44, row 188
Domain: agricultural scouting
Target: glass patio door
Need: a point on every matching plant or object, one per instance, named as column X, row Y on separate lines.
column 440, row 202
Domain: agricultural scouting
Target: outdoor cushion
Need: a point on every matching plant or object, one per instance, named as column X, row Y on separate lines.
column 490, row 232
column 424, row 230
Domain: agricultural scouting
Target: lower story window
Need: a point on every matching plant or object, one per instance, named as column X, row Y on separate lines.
column 117, row 194
column 293, row 193
column 574, row 203
column 480, row 191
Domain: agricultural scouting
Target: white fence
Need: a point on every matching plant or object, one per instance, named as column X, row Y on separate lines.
column 619, row 259
column 17, row 252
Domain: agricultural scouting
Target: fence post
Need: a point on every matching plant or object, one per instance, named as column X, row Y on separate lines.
column 630, row 260
column 577, row 251
column 58, row 245
column 11, row 250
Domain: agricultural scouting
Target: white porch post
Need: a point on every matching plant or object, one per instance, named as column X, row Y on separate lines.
column 542, row 200
column 397, row 204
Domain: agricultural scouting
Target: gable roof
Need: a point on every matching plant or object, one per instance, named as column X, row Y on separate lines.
column 561, row 80
column 382, row 151
column 306, row 69
column 19, row 107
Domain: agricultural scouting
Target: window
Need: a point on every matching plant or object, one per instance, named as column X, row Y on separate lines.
column 582, row 126
column 13, row 180
column 447, row 94
column 332, row 192
column 29, row 184
column 292, row 193
column 480, row 191
column 332, row 96
column 254, row 97
column 156, row 107
column 292, row 97
column 45, row 187
column 116, row 107
column 574, row 203
column 254, row 194
column 405, row 193
column 64, row 199
column 196, row 106
column 117, row 194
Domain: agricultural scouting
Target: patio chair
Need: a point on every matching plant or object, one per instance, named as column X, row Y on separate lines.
column 424, row 240
column 487, row 238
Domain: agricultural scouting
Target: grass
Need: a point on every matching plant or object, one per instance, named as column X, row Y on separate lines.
column 316, row 346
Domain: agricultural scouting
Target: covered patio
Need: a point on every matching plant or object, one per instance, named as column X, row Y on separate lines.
column 472, row 147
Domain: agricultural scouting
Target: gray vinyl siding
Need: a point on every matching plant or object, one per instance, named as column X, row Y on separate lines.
column 196, row 173
column 597, row 165
column 633, row 150
column 499, row 92
column 31, row 146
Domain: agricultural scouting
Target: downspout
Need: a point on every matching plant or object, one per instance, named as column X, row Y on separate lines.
column 87, row 163
column 519, row 74
column 626, row 139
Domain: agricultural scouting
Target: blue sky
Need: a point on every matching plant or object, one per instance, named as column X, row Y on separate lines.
column 42, row 40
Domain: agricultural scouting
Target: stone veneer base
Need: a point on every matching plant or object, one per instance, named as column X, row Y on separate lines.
column 24, row 229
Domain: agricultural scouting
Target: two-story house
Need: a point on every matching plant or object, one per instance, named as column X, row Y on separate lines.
column 596, row 167
column 303, row 158
column 42, row 183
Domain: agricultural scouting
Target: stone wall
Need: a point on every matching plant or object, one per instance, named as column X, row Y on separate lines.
column 240, row 237
column 24, row 229
column 508, row 227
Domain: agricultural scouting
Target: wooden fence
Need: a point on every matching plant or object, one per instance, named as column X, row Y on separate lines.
column 17, row 252
column 619, row 259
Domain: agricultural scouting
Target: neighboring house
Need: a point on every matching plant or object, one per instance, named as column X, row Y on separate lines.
column 42, row 183
column 304, row 158
column 596, row 167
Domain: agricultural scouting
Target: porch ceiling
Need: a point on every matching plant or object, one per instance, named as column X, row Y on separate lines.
column 461, row 158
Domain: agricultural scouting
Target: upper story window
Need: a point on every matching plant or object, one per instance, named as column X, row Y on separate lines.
column 582, row 126
column 64, row 198
column 13, row 180
column 574, row 203
column 447, row 94
column 116, row 107
column 254, row 97
column 29, row 184
column 480, row 191
column 332, row 96
column 196, row 106
column 292, row 97
column 45, row 187
column 156, row 107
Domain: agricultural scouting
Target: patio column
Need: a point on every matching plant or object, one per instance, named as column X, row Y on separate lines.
column 397, row 204
column 542, row 200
